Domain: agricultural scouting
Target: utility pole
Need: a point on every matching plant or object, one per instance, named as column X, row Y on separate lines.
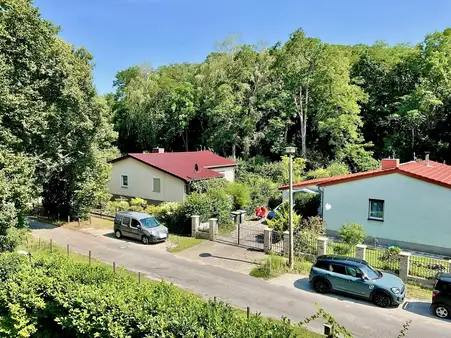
column 290, row 151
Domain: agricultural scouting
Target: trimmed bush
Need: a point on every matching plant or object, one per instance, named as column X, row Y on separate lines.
column 138, row 204
column 240, row 194
column 352, row 233
column 203, row 186
column 57, row 297
column 280, row 222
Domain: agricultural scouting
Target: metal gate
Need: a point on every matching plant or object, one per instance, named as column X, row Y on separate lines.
column 246, row 235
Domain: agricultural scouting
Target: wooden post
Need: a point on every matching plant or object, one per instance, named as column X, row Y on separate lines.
column 139, row 277
column 114, row 267
column 89, row 257
column 68, row 218
column 58, row 217
column 328, row 331
column 68, row 250
column 214, row 299
column 78, row 221
column 239, row 230
column 248, row 312
column 90, row 220
column 51, row 245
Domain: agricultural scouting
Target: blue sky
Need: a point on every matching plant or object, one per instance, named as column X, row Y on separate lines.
column 122, row 33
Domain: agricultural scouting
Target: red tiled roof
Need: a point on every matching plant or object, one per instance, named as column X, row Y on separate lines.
column 181, row 164
column 435, row 172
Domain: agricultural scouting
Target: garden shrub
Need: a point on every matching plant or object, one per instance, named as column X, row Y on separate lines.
column 197, row 204
column 261, row 190
column 240, row 194
column 203, row 186
column 56, row 297
column 306, row 234
column 391, row 254
column 138, row 204
column 307, row 204
column 274, row 201
column 221, row 205
column 172, row 215
column 281, row 221
column 352, row 233
column 117, row 205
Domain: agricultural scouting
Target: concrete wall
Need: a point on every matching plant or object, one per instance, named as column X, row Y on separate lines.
column 228, row 172
column 140, row 181
column 416, row 213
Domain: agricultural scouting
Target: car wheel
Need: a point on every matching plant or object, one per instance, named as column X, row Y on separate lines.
column 321, row 286
column 381, row 299
column 145, row 240
column 441, row 311
column 118, row 234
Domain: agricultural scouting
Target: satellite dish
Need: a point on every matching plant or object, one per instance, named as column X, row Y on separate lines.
column 328, row 206
column 196, row 167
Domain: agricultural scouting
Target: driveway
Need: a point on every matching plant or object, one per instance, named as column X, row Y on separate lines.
column 295, row 301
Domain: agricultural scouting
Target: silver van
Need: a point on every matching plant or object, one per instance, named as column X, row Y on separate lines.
column 139, row 226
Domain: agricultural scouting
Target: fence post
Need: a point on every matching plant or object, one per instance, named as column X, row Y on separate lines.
column 195, row 222
column 286, row 243
column 139, row 277
column 322, row 246
column 90, row 220
column 239, row 231
column 114, row 267
column 89, row 257
column 404, row 265
column 68, row 218
column 78, row 221
column 360, row 251
column 328, row 331
column 267, row 240
column 51, row 245
column 68, row 250
column 248, row 312
column 213, row 225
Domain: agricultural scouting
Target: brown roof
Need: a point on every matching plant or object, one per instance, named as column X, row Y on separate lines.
column 181, row 164
column 435, row 172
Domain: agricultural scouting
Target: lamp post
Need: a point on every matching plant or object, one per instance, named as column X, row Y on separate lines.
column 290, row 151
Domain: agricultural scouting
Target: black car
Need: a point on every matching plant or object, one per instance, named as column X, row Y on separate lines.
column 441, row 296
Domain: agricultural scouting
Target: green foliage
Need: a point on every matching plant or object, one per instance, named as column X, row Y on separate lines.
column 281, row 221
column 172, row 214
column 56, row 296
column 306, row 235
column 333, row 169
column 352, row 233
column 240, row 193
column 112, row 207
column 339, row 330
column 276, row 265
column 198, row 204
column 203, row 186
column 306, row 204
column 391, row 254
column 138, row 204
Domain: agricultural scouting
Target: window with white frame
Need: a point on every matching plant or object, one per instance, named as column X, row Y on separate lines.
column 376, row 210
column 156, row 185
column 124, row 181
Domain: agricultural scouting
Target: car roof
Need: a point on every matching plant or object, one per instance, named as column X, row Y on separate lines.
column 343, row 260
column 443, row 276
column 134, row 214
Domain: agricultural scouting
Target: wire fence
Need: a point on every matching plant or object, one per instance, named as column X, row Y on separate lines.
column 337, row 247
column 277, row 242
column 427, row 267
column 383, row 259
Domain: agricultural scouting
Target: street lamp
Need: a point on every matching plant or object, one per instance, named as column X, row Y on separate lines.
column 290, row 151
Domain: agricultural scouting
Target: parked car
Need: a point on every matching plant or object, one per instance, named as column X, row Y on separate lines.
column 441, row 296
column 273, row 213
column 357, row 278
column 139, row 226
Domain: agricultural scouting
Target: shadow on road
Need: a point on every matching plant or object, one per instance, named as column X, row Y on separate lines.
column 421, row 308
column 209, row 255
column 37, row 225
column 303, row 284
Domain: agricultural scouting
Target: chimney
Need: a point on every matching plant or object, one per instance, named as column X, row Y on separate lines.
column 158, row 150
column 390, row 164
column 427, row 158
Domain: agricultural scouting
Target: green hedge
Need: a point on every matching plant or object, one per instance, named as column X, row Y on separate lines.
column 54, row 296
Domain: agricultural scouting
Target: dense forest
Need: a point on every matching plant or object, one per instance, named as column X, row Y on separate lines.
column 352, row 104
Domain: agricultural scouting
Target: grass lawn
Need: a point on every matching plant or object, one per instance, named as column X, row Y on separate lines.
column 180, row 243
column 415, row 291
column 224, row 229
column 41, row 248
column 275, row 265
column 96, row 223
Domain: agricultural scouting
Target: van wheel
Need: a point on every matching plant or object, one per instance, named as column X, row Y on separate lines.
column 321, row 286
column 145, row 240
column 118, row 234
column 381, row 299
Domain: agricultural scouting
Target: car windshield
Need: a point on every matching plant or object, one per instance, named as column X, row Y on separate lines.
column 370, row 272
column 149, row 222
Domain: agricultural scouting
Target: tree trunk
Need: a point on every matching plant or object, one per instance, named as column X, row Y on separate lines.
column 186, row 141
column 234, row 151
column 413, row 142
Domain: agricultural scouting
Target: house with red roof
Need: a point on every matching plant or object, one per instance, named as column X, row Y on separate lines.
column 164, row 177
column 407, row 204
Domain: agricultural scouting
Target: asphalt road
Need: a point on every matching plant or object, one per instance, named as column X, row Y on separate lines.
column 295, row 301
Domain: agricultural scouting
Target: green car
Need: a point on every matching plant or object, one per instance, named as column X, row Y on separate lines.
column 357, row 278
